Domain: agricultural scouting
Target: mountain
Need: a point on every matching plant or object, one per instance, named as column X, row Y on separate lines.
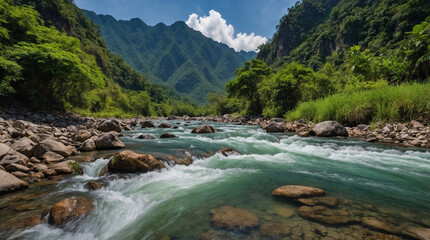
column 176, row 55
column 316, row 31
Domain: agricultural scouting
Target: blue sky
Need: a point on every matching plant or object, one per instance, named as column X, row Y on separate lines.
column 245, row 16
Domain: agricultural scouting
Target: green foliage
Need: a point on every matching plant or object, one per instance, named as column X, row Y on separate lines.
column 76, row 168
column 391, row 103
column 175, row 55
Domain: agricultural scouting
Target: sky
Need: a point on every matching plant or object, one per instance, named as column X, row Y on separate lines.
column 241, row 24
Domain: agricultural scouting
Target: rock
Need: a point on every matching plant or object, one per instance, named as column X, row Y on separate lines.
column 416, row 124
column 110, row 125
column 232, row 218
column 329, row 129
column 10, row 183
column 54, row 146
column 165, row 125
column 228, row 152
column 296, row 191
column 82, row 135
column 274, row 231
column 108, row 141
column 417, row 232
column 146, row 136
column 203, row 129
column 328, row 201
column 129, row 162
column 380, row 225
column 274, row 127
column 40, row 167
column 52, row 157
column 88, row 145
column 37, row 175
column 65, row 167
column 82, row 158
column 17, row 167
column 167, row 135
column 49, row 172
column 14, row 157
column 4, row 150
column 326, row 215
column 147, row 124
column 282, row 211
column 19, row 174
column 24, row 146
column 94, row 185
column 69, row 209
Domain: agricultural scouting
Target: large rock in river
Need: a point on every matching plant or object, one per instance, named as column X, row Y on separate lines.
column 327, row 215
column 329, row 129
column 69, row 209
column 232, row 218
column 10, row 183
column 274, row 127
column 129, row 162
column 108, row 141
column 296, row 191
column 203, row 129
column 110, row 125
column 147, row 124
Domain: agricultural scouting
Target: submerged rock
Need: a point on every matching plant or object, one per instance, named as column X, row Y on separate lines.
column 327, row 215
column 274, row 231
column 130, row 162
column 380, row 225
column 228, row 151
column 146, row 136
column 329, row 129
column 203, row 129
column 296, row 191
column 328, row 201
column 417, row 232
column 94, row 185
column 69, row 209
column 10, row 183
column 232, row 218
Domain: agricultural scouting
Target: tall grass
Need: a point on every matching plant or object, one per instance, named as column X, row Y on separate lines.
column 391, row 103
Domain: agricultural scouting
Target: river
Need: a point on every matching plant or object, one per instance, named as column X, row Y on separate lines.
column 176, row 201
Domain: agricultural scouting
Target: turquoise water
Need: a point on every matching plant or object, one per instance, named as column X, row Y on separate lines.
column 176, row 201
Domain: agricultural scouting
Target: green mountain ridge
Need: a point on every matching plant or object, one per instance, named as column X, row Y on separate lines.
column 175, row 55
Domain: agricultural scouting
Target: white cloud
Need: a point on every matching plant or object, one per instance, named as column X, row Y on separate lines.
column 215, row 27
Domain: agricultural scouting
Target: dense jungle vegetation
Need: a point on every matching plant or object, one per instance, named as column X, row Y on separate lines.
column 359, row 62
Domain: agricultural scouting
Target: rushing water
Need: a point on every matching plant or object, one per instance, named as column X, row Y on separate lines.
column 176, row 201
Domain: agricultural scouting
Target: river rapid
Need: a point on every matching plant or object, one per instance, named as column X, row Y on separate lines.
column 176, row 201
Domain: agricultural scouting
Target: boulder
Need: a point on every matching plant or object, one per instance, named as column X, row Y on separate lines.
column 10, row 183
column 69, row 209
column 147, row 124
column 274, row 231
column 50, row 145
column 228, row 152
column 66, row 167
column 88, row 145
column 130, row 162
column 296, row 191
column 17, row 167
column 417, row 232
column 167, row 135
column 4, row 150
column 14, row 157
column 231, row 218
column 94, row 185
column 52, row 157
column 327, row 215
column 329, row 129
column 274, row 127
column 203, row 129
column 24, row 146
column 49, row 172
column 82, row 135
column 146, row 136
column 19, row 174
column 110, row 125
column 380, row 225
column 165, row 125
column 108, row 141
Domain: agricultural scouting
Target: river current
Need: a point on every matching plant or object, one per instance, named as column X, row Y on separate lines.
column 176, row 201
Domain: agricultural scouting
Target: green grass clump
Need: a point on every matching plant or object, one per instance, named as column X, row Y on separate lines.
column 392, row 103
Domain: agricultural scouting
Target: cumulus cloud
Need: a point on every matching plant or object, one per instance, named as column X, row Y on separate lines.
column 216, row 27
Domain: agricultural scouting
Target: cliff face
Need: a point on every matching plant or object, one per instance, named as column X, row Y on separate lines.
column 314, row 30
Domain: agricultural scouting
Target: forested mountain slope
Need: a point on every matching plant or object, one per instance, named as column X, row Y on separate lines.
column 176, row 55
